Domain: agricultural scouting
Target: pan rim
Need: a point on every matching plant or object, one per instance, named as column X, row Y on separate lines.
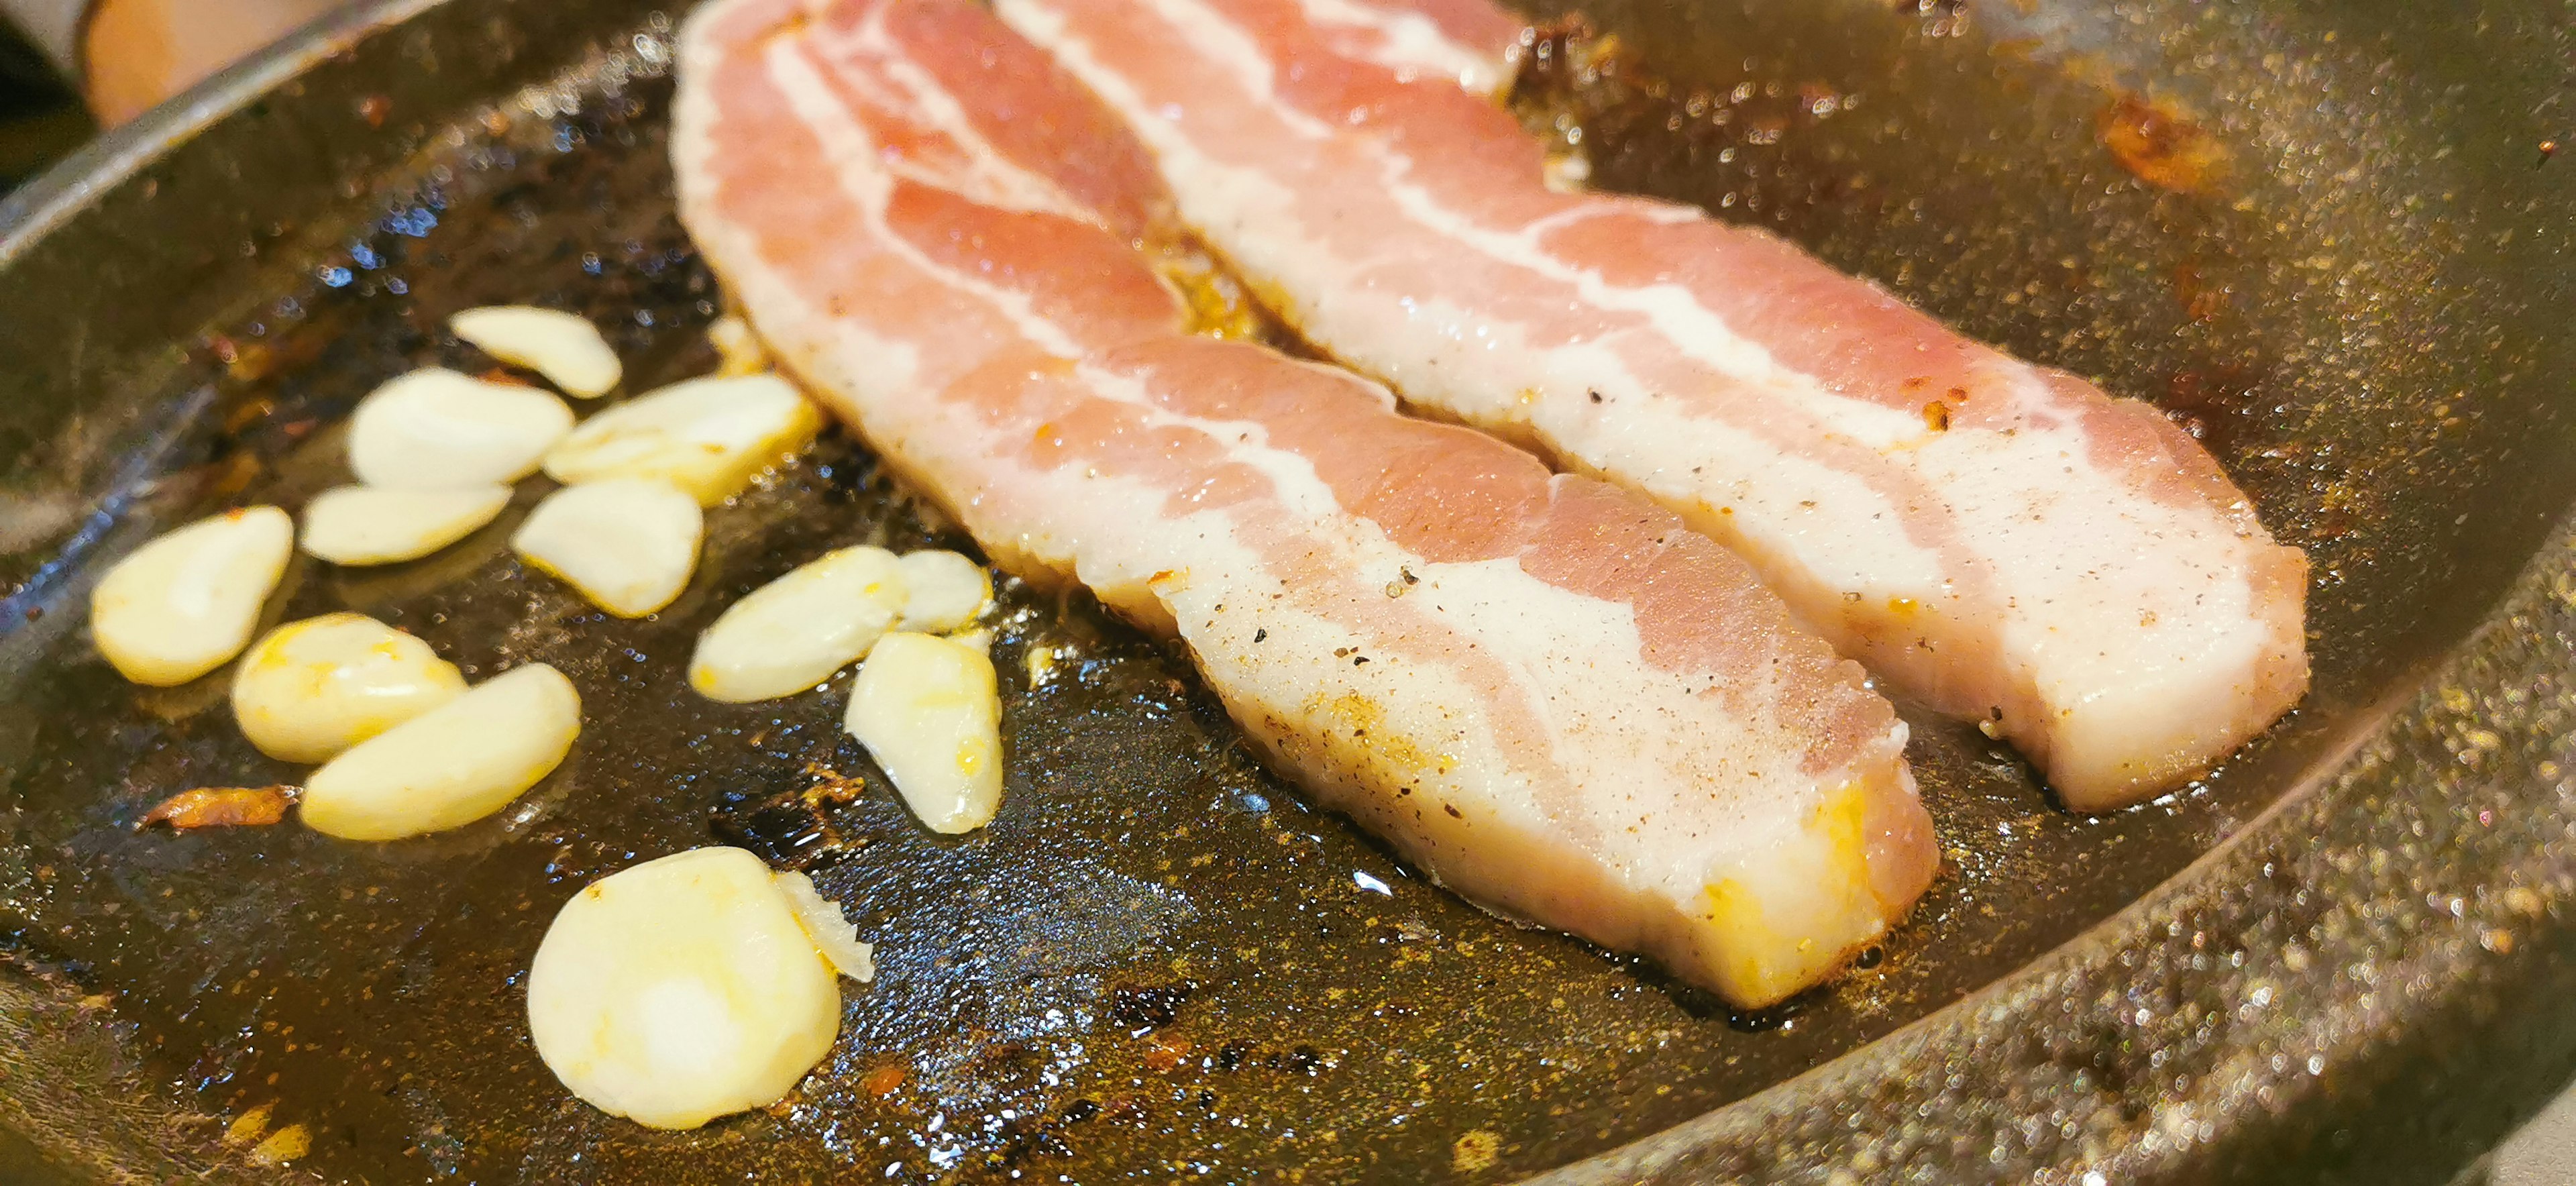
column 61, row 192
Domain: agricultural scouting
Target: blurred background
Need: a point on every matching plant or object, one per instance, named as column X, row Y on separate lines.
column 40, row 118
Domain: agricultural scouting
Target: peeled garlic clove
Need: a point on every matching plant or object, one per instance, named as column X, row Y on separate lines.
column 709, row 437
column 945, row 591
column 628, row 544
column 929, row 712
column 564, row 347
column 680, row 990
column 359, row 525
column 181, row 605
column 437, row 428
column 830, row 930
column 313, row 688
column 738, row 347
column 794, row 632
column 452, row 765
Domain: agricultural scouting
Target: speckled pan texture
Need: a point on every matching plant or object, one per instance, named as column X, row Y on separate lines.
column 2326, row 235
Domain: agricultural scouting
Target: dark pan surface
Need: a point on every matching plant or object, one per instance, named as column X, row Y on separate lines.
column 1159, row 963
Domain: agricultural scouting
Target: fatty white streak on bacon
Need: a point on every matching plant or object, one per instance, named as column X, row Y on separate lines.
column 2004, row 542
column 1549, row 693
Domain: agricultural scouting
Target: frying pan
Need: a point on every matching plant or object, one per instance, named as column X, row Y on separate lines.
column 2323, row 234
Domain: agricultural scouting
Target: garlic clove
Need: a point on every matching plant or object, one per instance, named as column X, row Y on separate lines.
column 361, row 525
column 794, row 632
column 709, row 437
column 564, row 347
column 833, row 936
column 928, row 710
column 452, row 765
column 738, row 348
column 310, row 689
column 436, row 428
column 680, row 990
column 628, row 544
column 181, row 605
column 945, row 591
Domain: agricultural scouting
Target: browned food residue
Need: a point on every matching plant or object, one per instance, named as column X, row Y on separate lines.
column 883, row 1081
column 1164, row 1053
column 831, row 787
column 220, row 807
column 2160, row 145
column 2201, row 300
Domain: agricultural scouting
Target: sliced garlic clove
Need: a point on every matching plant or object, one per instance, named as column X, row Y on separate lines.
column 794, row 632
column 313, row 688
column 452, row 765
column 629, row 544
column 945, row 591
column 436, row 428
column 564, row 347
column 709, row 437
column 361, row 525
column 928, row 710
column 830, row 930
column 738, row 348
column 1039, row 661
column 181, row 605
column 680, row 990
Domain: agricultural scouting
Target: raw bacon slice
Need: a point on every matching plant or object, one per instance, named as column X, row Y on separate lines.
column 2004, row 542
column 1547, row 692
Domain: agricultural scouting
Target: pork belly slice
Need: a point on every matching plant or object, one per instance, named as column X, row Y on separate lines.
column 1546, row 692
column 2005, row 543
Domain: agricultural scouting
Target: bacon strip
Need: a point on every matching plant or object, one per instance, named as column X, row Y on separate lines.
column 1546, row 692
column 2003, row 542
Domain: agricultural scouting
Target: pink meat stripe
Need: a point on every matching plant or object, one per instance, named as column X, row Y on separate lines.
column 2006, row 543
column 1547, row 692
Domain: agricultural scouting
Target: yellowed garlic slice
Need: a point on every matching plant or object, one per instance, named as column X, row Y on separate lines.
column 436, row 428
column 452, row 765
column 830, row 930
column 181, row 605
column 311, row 689
column 1039, row 661
column 361, row 525
column 680, row 990
column 629, row 544
column 929, row 711
column 738, row 348
column 794, row 632
column 945, row 591
column 709, row 437
column 564, row 347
